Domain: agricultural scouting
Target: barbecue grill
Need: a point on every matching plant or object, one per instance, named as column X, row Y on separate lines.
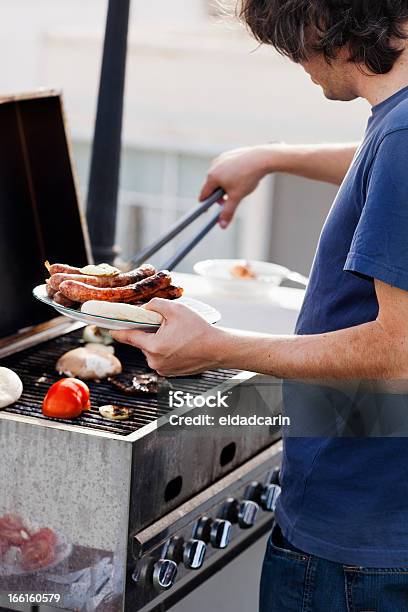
column 144, row 511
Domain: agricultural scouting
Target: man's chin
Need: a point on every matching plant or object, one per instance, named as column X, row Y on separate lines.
column 339, row 97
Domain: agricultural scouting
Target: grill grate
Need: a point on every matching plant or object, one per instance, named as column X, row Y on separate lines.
column 35, row 366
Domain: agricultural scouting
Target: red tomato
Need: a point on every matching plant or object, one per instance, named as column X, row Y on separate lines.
column 66, row 399
column 12, row 530
column 85, row 392
column 37, row 552
column 45, row 533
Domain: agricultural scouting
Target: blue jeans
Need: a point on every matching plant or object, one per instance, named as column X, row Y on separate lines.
column 294, row 581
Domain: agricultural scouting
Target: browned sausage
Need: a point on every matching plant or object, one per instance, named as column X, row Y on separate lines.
column 50, row 291
column 120, row 280
column 62, row 300
column 169, row 293
column 61, row 268
column 80, row 292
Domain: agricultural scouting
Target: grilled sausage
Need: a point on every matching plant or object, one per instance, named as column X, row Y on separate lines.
column 169, row 293
column 61, row 268
column 80, row 292
column 62, row 300
column 50, row 291
column 120, row 280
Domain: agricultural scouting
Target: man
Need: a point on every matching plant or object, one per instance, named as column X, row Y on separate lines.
column 341, row 536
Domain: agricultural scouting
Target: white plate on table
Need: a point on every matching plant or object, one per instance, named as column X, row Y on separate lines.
column 210, row 314
column 217, row 273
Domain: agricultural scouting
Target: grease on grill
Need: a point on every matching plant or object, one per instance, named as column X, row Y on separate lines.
column 141, row 384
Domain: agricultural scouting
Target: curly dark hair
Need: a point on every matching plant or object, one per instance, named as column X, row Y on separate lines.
column 372, row 29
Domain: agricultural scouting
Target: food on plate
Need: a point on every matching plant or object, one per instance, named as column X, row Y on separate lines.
column 80, row 292
column 11, row 387
column 141, row 384
column 57, row 267
column 50, row 291
column 120, row 280
column 127, row 312
column 66, row 399
column 115, row 413
column 96, row 335
column 92, row 362
column 70, row 286
column 12, row 531
column 39, row 550
column 169, row 293
column 102, row 269
column 243, row 271
column 59, row 298
column 21, row 548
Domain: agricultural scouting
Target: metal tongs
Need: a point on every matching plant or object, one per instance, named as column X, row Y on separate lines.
column 175, row 229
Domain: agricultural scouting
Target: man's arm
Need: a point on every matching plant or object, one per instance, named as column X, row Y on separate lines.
column 377, row 350
column 239, row 171
column 326, row 163
column 185, row 344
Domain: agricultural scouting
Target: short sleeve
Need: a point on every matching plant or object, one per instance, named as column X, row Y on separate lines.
column 379, row 248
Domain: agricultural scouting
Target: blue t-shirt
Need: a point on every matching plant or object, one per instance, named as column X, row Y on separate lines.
column 346, row 498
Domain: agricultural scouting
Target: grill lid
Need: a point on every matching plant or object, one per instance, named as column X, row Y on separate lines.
column 40, row 216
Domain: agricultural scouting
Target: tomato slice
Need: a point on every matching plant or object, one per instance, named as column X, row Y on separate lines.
column 66, row 399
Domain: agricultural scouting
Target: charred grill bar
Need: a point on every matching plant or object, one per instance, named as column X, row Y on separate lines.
column 143, row 512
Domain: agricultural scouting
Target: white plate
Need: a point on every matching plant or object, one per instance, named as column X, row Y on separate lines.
column 210, row 314
column 217, row 272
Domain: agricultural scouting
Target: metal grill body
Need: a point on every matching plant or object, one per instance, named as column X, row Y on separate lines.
column 100, row 482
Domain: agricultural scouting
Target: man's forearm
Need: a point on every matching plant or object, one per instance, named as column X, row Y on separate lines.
column 362, row 352
column 327, row 163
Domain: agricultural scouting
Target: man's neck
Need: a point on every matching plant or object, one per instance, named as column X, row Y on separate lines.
column 377, row 88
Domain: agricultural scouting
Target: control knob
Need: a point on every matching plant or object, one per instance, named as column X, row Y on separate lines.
column 190, row 553
column 216, row 531
column 164, row 574
column 160, row 574
column 244, row 513
column 265, row 495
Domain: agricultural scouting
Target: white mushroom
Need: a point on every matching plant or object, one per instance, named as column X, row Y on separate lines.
column 92, row 362
column 11, row 387
column 95, row 334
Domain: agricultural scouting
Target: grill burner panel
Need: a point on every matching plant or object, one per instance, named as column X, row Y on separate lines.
column 36, row 366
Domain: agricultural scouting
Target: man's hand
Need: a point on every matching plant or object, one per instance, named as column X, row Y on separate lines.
column 238, row 172
column 184, row 344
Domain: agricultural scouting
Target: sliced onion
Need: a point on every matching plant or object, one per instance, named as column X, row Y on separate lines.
column 115, row 413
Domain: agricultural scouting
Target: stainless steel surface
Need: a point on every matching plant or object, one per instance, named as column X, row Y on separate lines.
column 155, row 543
column 92, row 481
